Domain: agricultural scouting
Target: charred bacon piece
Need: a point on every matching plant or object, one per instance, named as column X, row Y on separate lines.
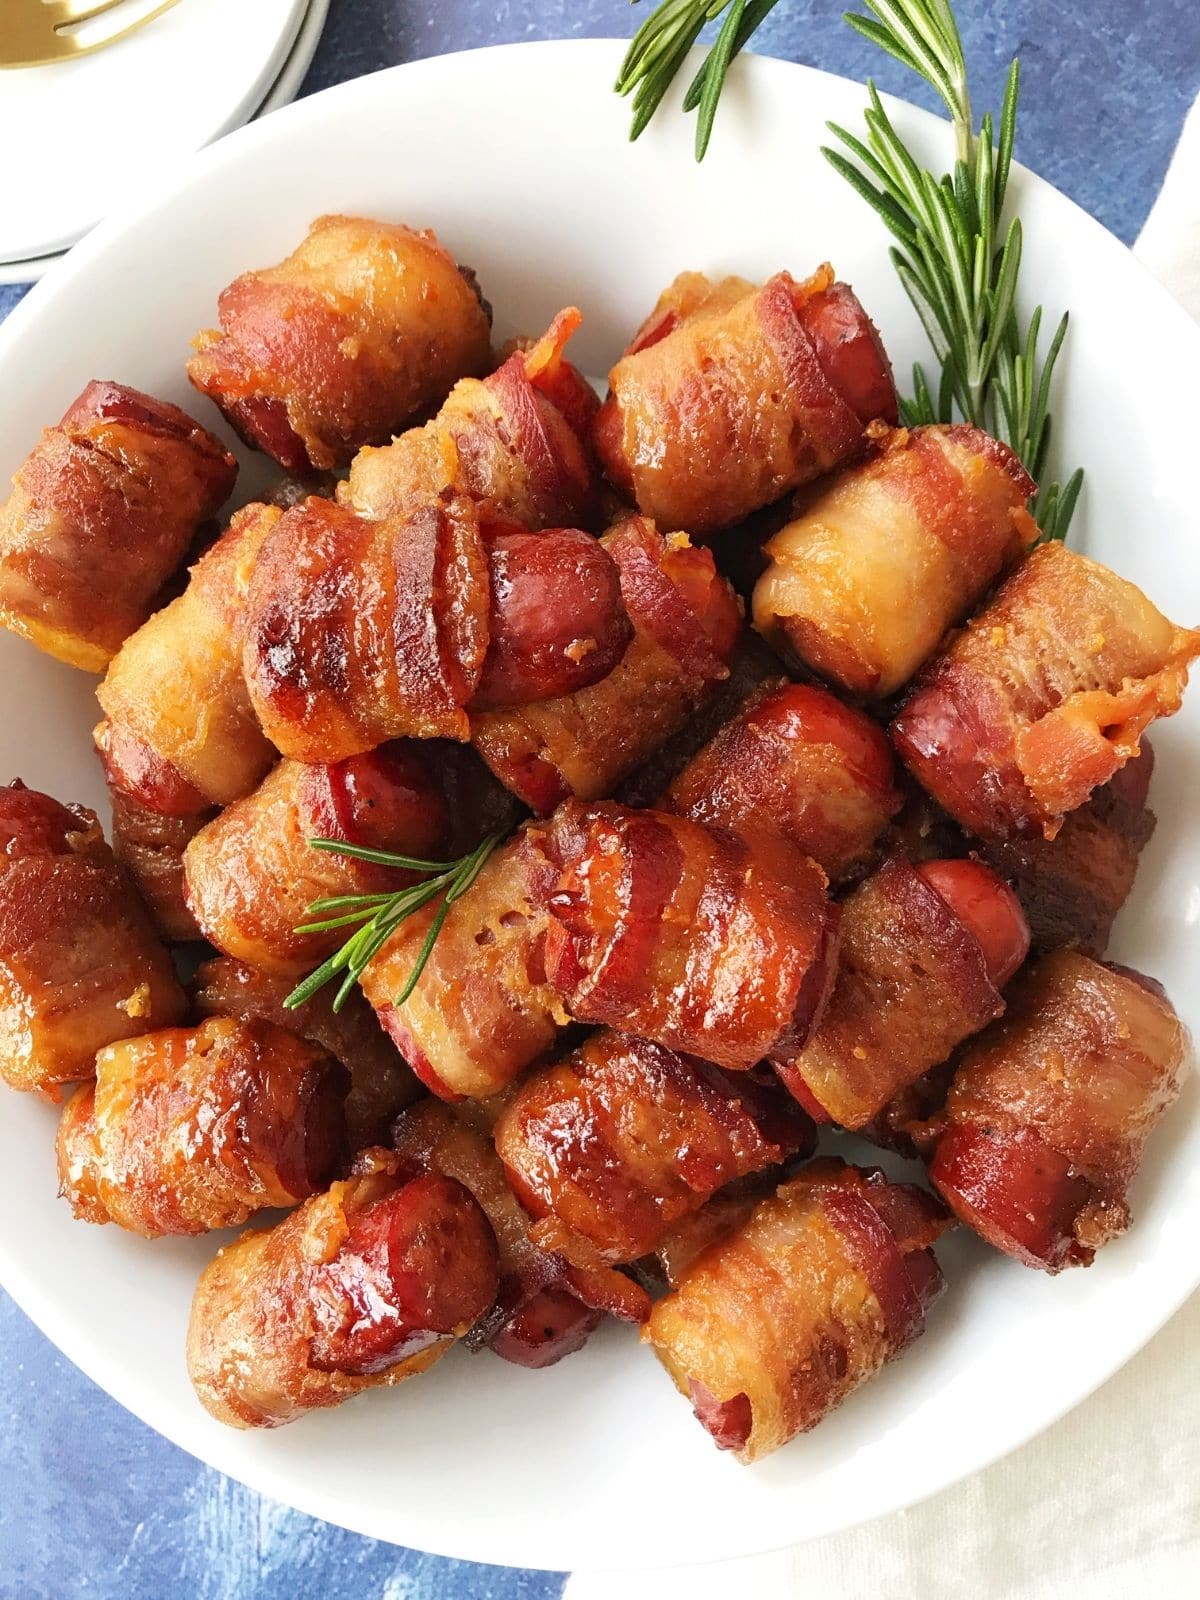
column 1043, row 697
column 365, row 325
column 81, row 967
column 1049, row 1112
column 362, row 1287
column 192, row 1129
column 103, row 512
column 730, row 395
column 864, row 584
column 773, row 1326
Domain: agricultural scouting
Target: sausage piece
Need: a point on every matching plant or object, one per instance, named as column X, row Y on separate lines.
column 381, row 1084
column 179, row 734
column 697, row 938
column 771, row 1328
column 360, row 1288
column 686, row 625
column 252, row 873
column 362, row 327
column 797, row 762
column 515, row 441
column 103, row 511
column 924, row 952
column 1049, row 1112
column 613, row 1146
column 732, row 395
column 81, row 965
column 1043, row 697
column 863, row 585
column 192, row 1129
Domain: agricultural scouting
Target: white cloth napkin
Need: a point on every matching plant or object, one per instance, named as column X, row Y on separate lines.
column 1106, row 1504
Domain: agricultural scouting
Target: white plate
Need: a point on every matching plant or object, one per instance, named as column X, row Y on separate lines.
column 94, row 127
column 518, row 156
column 283, row 91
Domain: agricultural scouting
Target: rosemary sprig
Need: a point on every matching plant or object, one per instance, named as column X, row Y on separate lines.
column 656, row 54
column 957, row 260
column 379, row 915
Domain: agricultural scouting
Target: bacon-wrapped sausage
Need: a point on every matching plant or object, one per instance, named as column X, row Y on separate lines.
column 102, row 513
column 534, row 1283
column 179, row 734
column 150, row 847
column 1049, row 1112
column 1072, row 886
column 80, row 965
column 362, row 1287
column 381, row 1084
column 925, row 952
column 516, row 441
column 799, row 763
column 198, row 1128
column 686, row 625
column 702, row 940
column 358, row 632
column 482, row 1009
column 365, row 325
column 1043, row 696
column 252, row 874
column 731, row 395
column 772, row 1328
column 863, row 585
column 612, row 1146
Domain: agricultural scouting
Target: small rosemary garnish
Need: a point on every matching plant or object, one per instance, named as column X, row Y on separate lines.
column 381, row 914
column 959, row 265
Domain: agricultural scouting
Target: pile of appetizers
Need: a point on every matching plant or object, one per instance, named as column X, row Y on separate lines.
column 855, row 865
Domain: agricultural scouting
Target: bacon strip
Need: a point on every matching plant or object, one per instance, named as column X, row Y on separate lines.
column 362, row 327
column 1050, row 1111
column 482, row 1009
column 103, row 511
column 863, row 585
column 1043, row 697
column 150, row 846
column 731, row 395
column 362, row 1287
column 516, row 441
column 381, row 1084
column 252, row 874
column 694, row 937
column 1073, row 886
column 913, row 982
column 179, row 734
column 685, row 629
column 192, row 1129
column 80, row 967
column 771, row 1328
column 613, row 1146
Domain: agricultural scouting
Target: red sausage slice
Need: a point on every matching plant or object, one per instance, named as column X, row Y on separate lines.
column 557, row 622
column 985, row 905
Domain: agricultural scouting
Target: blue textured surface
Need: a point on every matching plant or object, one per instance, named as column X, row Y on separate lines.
column 91, row 1502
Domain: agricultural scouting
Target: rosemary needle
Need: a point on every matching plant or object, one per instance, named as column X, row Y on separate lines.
column 379, row 915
